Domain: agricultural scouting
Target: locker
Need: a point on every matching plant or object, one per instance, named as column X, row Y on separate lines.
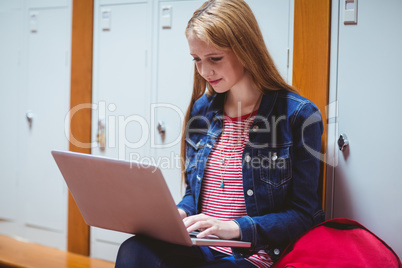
column 10, row 68
column 121, row 93
column 43, row 191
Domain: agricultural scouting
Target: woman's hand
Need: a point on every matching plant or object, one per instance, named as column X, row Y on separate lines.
column 182, row 213
column 211, row 226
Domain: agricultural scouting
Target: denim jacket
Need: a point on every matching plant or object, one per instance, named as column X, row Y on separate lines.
column 280, row 165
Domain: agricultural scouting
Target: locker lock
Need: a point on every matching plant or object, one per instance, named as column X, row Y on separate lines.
column 343, row 142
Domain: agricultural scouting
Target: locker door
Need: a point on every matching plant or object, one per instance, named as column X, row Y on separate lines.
column 43, row 194
column 366, row 184
column 275, row 18
column 174, row 86
column 10, row 68
column 121, row 92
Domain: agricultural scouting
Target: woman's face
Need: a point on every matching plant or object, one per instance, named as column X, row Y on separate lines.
column 220, row 67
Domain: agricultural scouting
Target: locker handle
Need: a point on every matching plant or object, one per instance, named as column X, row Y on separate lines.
column 101, row 135
column 29, row 115
column 343, row 142
column 161, row 128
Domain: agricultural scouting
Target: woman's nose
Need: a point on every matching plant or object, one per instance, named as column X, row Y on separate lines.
column 205, row 70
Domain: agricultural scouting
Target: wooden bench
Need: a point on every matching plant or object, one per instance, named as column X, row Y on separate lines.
column 14, row 253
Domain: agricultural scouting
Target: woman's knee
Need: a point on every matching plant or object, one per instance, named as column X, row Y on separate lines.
column 130, row 252
column 143, row 251
column 130, row 245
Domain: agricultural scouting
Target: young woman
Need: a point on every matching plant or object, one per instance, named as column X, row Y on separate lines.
column 248, row 141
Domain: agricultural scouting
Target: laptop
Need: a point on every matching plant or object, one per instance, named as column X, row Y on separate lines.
column 128, row 197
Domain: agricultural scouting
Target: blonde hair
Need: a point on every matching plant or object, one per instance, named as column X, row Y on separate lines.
column 231, row 24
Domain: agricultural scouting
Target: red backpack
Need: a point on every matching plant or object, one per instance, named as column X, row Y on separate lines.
column 338, row 243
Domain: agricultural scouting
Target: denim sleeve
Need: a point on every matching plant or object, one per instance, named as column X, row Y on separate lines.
column 302, row 207
column 187, row 203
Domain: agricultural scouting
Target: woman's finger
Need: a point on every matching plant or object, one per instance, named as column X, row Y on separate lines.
column 199, row 225
column 195, row 218
column 208, row 231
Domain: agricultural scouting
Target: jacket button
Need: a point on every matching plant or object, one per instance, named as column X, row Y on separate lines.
column 250, row 192
column 277, row 252
column 247, row 158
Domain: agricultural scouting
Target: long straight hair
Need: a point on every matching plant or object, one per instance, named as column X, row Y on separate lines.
column 231, row 24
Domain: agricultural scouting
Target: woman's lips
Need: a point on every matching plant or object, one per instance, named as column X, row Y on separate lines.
column 215, row 82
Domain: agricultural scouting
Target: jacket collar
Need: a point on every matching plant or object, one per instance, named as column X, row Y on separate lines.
column 217, row 103
column 267, row 104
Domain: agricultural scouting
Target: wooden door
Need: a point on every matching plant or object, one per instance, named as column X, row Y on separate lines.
column 311, row 63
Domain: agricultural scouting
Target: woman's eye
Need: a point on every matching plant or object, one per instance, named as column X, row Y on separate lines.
column 196, row 59
column 216, row 59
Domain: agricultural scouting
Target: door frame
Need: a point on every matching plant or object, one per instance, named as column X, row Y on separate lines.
column 78, row 232
column 332, row 150
column 311, row 62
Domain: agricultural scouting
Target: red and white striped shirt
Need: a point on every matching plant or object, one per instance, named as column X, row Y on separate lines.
column 225, row 161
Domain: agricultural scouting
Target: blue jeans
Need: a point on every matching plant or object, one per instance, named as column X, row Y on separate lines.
column 141, row 251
